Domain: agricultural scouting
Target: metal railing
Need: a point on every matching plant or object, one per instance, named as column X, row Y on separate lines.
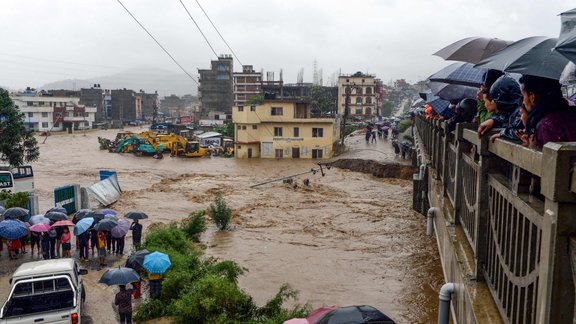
column 518, row 238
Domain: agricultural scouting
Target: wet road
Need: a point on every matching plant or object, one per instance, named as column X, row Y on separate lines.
column 348, row 238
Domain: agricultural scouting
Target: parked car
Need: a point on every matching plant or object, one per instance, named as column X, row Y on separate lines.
column 49, row 291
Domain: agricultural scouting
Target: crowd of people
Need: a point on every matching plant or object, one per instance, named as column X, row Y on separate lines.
column 531, row 111
column 57, row 243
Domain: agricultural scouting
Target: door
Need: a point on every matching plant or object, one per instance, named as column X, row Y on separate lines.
column 249, row 153
column 295, row 152
column 279, row 153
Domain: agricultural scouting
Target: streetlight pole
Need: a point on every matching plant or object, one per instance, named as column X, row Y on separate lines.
column 348, row 91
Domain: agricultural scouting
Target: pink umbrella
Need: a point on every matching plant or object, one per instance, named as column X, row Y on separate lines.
column 63, row 223
column 40, row 228
column 121, row 229
column 317, row 314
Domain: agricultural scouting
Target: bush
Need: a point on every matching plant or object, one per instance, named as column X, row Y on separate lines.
column 273, row 312
column 220, row 213
column 18, row 199
column 152, row 308
column 168, row 237
column 194, row 225
column 404, row 125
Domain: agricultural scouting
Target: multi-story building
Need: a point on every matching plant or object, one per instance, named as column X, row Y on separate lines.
column 283, row 129
column 149, row 104
column 94, row 97
column 362, row 95
column 126, row 106
column 246, row 84
column 48, row 113
column 215, row 88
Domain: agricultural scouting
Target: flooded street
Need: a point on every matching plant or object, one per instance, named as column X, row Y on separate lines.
column 348, row 238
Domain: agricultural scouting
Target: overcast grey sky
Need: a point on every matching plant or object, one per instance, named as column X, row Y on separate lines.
column 49, row 40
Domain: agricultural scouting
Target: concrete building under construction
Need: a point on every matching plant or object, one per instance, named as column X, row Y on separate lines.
column 215, row 90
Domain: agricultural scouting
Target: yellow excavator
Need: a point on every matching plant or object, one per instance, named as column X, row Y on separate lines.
column 185, row 148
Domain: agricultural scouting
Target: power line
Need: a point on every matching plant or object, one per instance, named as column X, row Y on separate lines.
column 200, row 30
column 210, row 20
column 157, row 42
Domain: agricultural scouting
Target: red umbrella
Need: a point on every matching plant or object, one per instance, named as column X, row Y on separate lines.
column 40, row 228
column 63, row 223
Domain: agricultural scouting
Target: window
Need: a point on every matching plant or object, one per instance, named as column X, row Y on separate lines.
column 252, row 108
column 276, row 111
column 86, row 124
column 30, row 114
column 41, row 103
column 240, row 108
column 29, row 103
column 44, row 125
column 317, row 132
column 58, row 114
column 278, row 131
column 243, row 127
column 316, row 154
column 44, row 114
column 358, row 100
column 239, row 127
column 369, row 100
column 296, row 132
column 368, row 90
column 254, row 126
column 359, row 90
column 359, row 111
column 56, row 125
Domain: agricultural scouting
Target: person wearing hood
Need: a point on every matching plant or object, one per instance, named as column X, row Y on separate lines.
column 504, row 98
column 489, row 78
column 465, row 113
column 548, row 117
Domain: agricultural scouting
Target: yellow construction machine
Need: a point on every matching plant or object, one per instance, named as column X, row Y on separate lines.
column 185, row 148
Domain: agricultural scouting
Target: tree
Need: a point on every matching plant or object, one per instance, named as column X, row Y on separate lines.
column 255, row 100
column 227, row 129
column 17, row 145
column 321, row 100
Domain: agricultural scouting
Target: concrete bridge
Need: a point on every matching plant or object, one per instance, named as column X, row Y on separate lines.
column 505, row 221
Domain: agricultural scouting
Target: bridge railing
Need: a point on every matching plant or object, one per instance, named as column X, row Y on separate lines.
column 517, row 207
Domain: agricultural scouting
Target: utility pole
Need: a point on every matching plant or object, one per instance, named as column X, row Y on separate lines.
column 154, row 113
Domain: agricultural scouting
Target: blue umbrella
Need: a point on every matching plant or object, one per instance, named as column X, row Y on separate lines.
column 12, row 229
column 119, row 276
column 108, row 211
column 441, row 107
column 460, row 73
column 157, row 262
column 38, row 219
column 2, row 210
column 83, row 225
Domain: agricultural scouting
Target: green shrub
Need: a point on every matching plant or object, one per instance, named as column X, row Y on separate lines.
column 18, row 199
column 167, row 237
column 194, row 225
column 228, row 269
column 404, row 125
column 273, row 312
column 152, row 308
column 220, row 213
column 214, row 299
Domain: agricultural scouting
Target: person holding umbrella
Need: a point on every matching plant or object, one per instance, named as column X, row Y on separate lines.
column 136, row 229
column 123, row 300
column 65, row 241
column 101, row 244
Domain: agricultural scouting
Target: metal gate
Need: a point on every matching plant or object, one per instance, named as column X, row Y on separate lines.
column 66, row 198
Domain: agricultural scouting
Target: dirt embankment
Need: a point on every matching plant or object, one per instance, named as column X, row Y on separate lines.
column 377, row 169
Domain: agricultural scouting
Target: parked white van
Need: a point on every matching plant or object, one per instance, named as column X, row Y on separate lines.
column 49, row 291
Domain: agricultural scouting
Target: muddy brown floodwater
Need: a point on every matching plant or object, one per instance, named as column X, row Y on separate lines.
column 349, row 238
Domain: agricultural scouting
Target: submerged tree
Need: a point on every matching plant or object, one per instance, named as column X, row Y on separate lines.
column 17, row 144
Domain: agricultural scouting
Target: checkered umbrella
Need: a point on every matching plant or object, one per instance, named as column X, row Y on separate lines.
column 460, row 73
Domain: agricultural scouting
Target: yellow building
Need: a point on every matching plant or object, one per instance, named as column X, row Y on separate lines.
column 283, row 129
column 362, row 95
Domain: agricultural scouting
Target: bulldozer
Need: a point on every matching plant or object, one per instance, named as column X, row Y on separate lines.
column 140, row 146
column 185, row 148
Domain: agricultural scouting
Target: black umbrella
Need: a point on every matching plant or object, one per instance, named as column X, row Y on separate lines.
column 15, row 213
column 452, row 91
column 136, row 260
column 472, row 49
column 106, row 225
column 567, row 41
column 136, row 215
column 56, row 216
column 58, row 209
column 119, row 276
column 354, row 314
column 81, row 214
column 98, row 216
column 532, row 56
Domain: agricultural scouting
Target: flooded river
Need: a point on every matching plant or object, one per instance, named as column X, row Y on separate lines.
column 348, row 238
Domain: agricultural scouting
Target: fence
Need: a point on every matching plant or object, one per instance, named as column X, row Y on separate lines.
column 520, row 236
